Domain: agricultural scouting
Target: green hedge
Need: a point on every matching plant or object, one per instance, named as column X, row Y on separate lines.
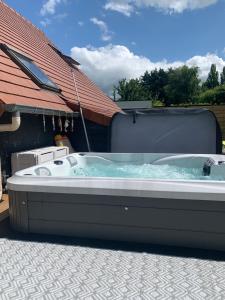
column 212, row 96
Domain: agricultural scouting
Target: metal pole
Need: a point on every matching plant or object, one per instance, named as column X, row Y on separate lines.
column 81, row 112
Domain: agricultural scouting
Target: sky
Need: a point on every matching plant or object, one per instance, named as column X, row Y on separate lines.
column 116, row 39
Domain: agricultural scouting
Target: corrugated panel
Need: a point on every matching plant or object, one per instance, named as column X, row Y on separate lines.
column 17, row 88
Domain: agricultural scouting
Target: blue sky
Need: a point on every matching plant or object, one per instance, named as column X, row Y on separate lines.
column 122, row 38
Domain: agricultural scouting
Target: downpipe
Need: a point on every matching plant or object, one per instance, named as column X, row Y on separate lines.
column 14, row 126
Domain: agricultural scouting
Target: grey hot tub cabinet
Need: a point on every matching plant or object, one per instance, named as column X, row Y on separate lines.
column 48, row 199
column 191, row 223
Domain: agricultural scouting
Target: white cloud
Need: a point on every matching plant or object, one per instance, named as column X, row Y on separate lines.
column 106, row 35
column 48, row 21
column 204, row 63
column 80, row 23
column 126, row 7
column 45, row 22
column 122, row 6
column 49, row 7
column 107, row 65
column 60, row 17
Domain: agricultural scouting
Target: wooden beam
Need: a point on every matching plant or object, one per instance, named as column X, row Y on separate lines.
column 4, row 207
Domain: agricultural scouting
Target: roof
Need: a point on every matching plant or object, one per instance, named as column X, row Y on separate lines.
column 17, row 88
column 134, row 104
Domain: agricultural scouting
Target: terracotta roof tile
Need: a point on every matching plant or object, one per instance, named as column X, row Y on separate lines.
column 17, row 88
column 17, row 80
column 15, row 99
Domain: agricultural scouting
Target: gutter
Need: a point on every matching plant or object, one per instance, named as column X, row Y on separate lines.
column 16, row 111
column 37, row 111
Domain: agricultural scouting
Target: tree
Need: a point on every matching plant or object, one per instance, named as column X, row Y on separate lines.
column 222, row 76
column 213, row 78
column 183, row 85
column 131, row 90
column 213, row 96
column 154, row 84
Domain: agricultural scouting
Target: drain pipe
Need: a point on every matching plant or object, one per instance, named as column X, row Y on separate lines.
column 81, row 112
column 15, row 125
column 16, row 121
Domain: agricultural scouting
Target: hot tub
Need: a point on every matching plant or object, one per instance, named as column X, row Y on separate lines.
column 155, row 198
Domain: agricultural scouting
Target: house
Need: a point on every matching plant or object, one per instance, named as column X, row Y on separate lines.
column 39, row 88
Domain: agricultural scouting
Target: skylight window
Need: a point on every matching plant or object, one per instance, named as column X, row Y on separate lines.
column 32, row 70
column 69, row 60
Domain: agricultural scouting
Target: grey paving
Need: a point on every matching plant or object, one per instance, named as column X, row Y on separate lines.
column 43, row 269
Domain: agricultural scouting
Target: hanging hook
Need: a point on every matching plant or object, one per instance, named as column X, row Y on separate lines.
column 53, row 122
column 72, row 124
column 66, row 124
column 60, row 123
column 44, row 122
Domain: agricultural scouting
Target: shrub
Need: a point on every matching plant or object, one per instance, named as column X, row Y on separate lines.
column 212, row 96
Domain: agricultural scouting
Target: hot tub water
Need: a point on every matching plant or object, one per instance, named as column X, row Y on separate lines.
column 150, row 171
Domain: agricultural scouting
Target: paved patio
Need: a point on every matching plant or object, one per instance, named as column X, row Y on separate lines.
column 41, row 267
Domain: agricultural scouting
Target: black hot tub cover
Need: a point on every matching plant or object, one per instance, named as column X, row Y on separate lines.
column 166, row 131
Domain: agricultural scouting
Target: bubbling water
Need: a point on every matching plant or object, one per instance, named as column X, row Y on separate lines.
column 145, row 171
